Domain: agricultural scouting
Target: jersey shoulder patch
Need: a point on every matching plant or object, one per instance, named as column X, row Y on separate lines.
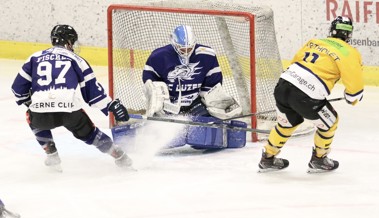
column 205, row 50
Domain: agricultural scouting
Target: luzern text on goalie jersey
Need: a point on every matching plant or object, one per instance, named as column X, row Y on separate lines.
column 52, row 104
column 325, row 50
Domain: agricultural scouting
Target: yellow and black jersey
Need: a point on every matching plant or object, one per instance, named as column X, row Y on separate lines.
column 320, row 63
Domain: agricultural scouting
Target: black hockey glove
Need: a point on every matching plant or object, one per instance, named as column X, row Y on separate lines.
column 27, row 104
column 119, row 111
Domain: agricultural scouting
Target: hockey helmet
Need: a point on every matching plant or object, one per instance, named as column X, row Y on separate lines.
column 183, row 40
column 64, row 35
column 342, row 28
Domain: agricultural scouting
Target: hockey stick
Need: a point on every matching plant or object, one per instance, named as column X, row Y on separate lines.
column 193, row 123
column 249, row 115
column 336, row 99
column 270, row 111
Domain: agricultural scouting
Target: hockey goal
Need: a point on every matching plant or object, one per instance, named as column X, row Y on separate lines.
column 242, row 35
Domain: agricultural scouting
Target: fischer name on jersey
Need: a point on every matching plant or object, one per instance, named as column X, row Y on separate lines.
column 320, row 63
column 198, row 76
column 56, row 80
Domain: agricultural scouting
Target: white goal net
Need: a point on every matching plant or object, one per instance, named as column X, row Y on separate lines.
column 242, row 34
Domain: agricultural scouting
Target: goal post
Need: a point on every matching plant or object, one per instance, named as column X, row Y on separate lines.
column 242, row 35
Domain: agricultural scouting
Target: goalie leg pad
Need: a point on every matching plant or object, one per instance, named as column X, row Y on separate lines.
column 205, row 137
column 236, row 139
column 121, row 133
column 126, row 135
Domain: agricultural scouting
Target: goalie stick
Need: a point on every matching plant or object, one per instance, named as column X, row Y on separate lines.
column 270, row 111
column 193, row 123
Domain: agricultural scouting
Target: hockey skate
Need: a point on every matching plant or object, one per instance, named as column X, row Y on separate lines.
column 268, row 164
column 121, row 158
column 321, row 164
column 4, row 213
column 53, row 161
column 8, row 214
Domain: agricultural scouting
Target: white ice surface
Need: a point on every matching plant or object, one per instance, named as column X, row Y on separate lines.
column 185, row 183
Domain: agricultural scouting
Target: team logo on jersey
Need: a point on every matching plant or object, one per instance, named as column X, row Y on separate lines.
column 184, row 72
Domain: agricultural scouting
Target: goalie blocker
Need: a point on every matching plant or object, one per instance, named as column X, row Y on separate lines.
column 198, row 137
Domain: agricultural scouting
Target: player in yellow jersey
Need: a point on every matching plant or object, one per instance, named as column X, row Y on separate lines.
column 302, row 90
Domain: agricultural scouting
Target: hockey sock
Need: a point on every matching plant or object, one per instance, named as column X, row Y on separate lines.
column 42, row 136
column 277, row 138
column 323, row 139
column 100, row 140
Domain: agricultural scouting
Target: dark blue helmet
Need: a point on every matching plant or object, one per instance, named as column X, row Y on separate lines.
column 342, row 28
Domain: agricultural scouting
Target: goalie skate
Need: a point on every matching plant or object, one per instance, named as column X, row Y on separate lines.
column 269, row 164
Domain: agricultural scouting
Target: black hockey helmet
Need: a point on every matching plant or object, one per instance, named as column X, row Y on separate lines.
column 342, row 28
column 64, row 35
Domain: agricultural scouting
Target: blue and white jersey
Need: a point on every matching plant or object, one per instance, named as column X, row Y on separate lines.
column 56, row 80
column 193, row 79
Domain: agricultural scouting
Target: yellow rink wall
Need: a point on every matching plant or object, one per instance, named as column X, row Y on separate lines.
column 99, row 57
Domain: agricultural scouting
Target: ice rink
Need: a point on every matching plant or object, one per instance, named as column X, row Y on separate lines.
column 185, row 183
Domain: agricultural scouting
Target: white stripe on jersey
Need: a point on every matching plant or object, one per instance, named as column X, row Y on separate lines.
column 205, row 50
column 151, row 69
column 213, row 71
column 24, row 75
column 102, row 104
column 86, row 79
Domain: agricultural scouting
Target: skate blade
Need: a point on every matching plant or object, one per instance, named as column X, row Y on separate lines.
column 315, row 171
column 269, row 170
column 56, row 168
column 11, row 214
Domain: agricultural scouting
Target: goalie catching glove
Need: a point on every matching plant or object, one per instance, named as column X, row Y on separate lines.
column 220, row 104
column 156, row 94
column 119, row 111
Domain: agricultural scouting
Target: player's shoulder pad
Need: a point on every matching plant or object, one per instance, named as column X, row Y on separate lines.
column 205, row 50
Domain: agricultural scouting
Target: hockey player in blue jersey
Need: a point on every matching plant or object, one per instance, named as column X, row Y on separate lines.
column 51, row 83
column 184, row 77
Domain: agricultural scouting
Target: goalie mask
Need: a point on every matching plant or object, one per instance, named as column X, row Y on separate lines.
column 64, row 35
column 342, row 28
column 183, row 40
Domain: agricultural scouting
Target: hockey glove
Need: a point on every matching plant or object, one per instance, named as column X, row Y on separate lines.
column 28, row 103
column 220, row 104
column 119, row 111
column 353, row 99
column 156, row 93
